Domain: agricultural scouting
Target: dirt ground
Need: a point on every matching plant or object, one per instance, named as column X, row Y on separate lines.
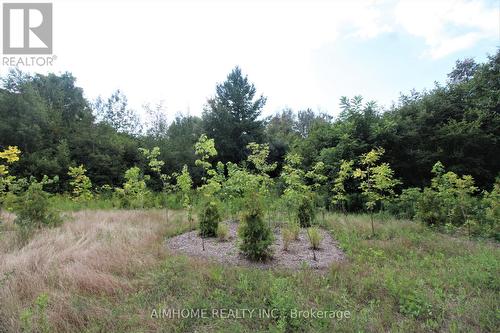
column 298, row 255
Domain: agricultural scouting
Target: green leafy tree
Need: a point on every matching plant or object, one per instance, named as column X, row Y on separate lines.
column 449, row 200
column 156, row 166
column 238, row 184
column 210, row 211
column 205, row 150
column 258, row 157
column 339, row 197
column 491, row 200
column 297, row 195
column 377, row 180
column 185, row 183
column 316, row 177
column 115, row 112
column 80, row 183
column 134, row 191
column 10, row 155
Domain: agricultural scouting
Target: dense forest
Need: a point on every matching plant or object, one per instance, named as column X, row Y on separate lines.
column 55, row 127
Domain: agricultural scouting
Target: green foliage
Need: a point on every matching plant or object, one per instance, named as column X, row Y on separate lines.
column 315, row 237
column 34, row 318
column 431, row 208
column 256, row 236
column 209, row 219
column 209, row 214
column 49, row 119
column 213, row 177
column 116, row 113
column 134, row 191
column 404, row 206
column 234, row 110
column 491, row 202
column 449, row 200
column 305, row 211
column 156, row 166
column 377, row 182
column 185, row 183
column 297, row 196
column 80, row 183
column 204, row 148
column 238, row 184
column 340, row 197
column 10, row 155
column 222, row 232
column 259, row 154
column 152, row 157
column 282, row 298
column 33, row 209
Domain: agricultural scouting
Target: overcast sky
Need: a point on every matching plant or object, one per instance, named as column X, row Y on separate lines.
column 298, row 53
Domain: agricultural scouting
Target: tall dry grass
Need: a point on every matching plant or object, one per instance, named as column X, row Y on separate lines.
column 96, row 253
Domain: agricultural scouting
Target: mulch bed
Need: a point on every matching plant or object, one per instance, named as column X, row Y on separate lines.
column 299, row 254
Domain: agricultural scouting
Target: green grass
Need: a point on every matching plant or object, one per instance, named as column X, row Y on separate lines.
column 65, row 203
column 405, row 279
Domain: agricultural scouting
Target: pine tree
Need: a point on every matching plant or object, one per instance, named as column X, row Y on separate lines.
column 231, row 117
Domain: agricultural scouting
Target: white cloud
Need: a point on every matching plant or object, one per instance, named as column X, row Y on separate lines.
column 448, row 26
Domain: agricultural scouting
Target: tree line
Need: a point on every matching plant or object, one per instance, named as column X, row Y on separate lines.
column 56, row 127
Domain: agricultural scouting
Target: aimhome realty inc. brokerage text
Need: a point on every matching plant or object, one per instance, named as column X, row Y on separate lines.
column 241, row 313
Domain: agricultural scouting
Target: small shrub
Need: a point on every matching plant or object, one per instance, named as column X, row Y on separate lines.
column 33, row 209
column 315, row 237
column 35, row 318
column 431, row 208
column 283, row 297
column 491, row 202
column 255, row 234
column 288, row 236
column 305, row 212
column 405, row 205
column 134, row 191
column 209, row 219
column 222, row 232
column 80, row 184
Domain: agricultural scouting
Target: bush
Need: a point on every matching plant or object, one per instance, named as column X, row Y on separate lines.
column 222, row 232
column 288, row 236
column 256, row 236
column 305, row 212
column 405, row 205
column 33, row 209
column 431, row 208
column 283, row 298
column 134, row 191
column 315, row 237
column 490, row 213
column 209, row 219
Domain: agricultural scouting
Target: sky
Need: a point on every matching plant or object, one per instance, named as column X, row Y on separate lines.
column 299, row 54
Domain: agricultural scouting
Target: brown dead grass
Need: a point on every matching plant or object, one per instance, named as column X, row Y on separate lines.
column 93, row 252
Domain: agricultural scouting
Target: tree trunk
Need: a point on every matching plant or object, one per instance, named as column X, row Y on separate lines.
column 371, row 218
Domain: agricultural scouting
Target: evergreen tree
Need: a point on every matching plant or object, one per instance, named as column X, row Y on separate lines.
column 231, row 117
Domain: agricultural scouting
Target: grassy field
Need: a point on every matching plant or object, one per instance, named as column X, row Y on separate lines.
column 108, row 271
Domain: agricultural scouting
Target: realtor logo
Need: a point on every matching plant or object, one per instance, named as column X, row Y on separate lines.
column 27, row 28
